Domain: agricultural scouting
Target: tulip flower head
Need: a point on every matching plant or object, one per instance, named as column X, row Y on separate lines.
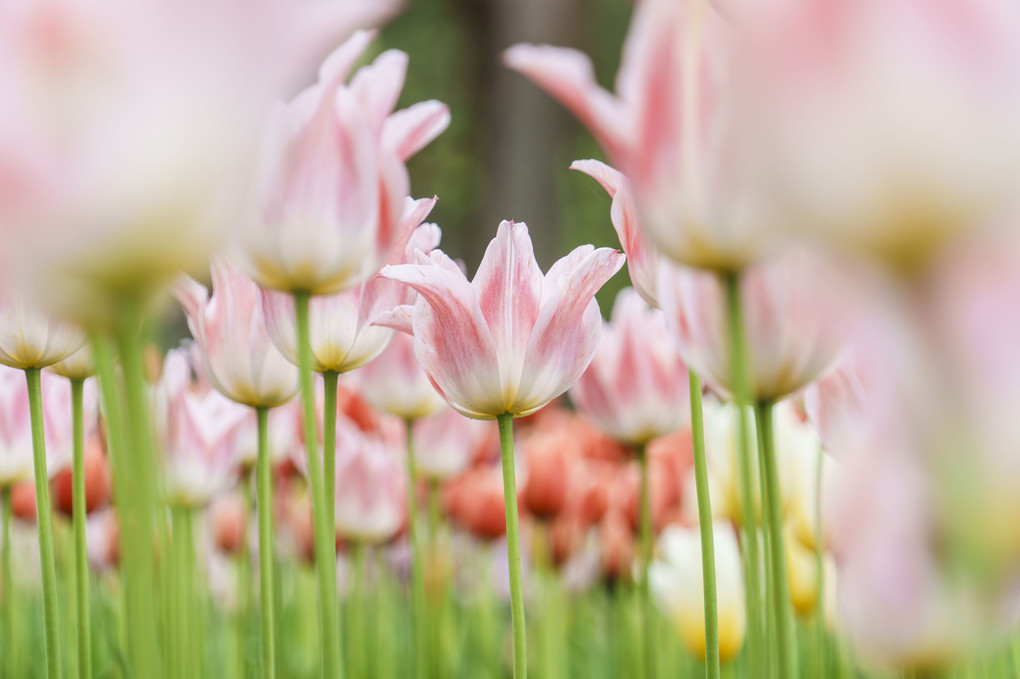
column 635, row 387
column 31, row 339
column 396, row 384
column 229, row 326
column 511, row 339
column 446, row 443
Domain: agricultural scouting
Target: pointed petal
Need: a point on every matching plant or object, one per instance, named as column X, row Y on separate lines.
column 410, row 130
column 339, row 63
column 398, row 319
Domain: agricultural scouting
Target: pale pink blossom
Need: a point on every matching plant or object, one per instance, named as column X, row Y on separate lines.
column 31, row 339
column 332, row 176
column 636, row 386
column 521, row 339
column 396, row 384
column 229, row 327
column 371, row 489
column 446, row 443
column 341, row 328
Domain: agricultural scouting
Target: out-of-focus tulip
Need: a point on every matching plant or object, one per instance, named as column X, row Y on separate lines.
column 802, row 574
column 446, row 443
column 102, row 541
column 284, row 435
column 475, row 502
column 199, row 432
column 78, row 366
column 642, row 257
column 30, row 339
column 333, row 180
column 23, row 501
column 238, row 357
column 126, row 126
column 791, row 323
column 676, row 581
column 341, row 328
column 636, row 386
column 228, row 519
column 98, row 481
column 16, row 432
column 671, row 128
column 371, row 489
column 523, row 338
column 551, row 459
column 616, row 543
column 887, row 127
column 396, row 384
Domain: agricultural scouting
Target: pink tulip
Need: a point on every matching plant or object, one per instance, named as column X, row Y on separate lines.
column 371, row 490
column 30, row 339
column 446, row 443
column 78, row 366
column 343, row 336
column 332, row 175
column 396, row 384
column 16, row 434
column 522, row 339
column 238, row 357
column 670, row 128
column 103, row 540
column 636, row 387
column 790, row 319
column 642, row 257
column 124, row 126
column 199, row 433
column 888, row 126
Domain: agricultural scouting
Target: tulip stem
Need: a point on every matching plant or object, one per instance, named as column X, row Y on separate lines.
column 244, row 582
column 417, row 572
column 742, row 398
column 44, row 523
column 139, row 512
column 648, row 635
column 772, row 504
column 264, row 500
column 78, row 518
column 712, row 666
column 329, row 379
column 183, row 571
column 8, row 584
column 513, row 544
column 323, row 532
column 438, row 582
column 358, row 614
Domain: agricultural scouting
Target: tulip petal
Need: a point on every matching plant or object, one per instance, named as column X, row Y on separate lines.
column 339, row 63
column 410, row 130
column 398, row 319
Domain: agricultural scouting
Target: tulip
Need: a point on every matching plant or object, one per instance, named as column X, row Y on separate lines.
column 228, row 518
column 341, row 324
column 229, row 326
column 395, row 383
column 894, row 134
column 475, row 501
column 524, row 339
column 676, row 583
column 635, row 387
column 104, row 541
column 98, row 482
column 616, row 540
column 446, row 443
column 332, row 175
column 78, row 366
column 671, row 128
column 126, row 125
column 31, row 340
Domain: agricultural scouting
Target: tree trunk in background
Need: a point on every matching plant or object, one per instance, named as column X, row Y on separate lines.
column 522, row 133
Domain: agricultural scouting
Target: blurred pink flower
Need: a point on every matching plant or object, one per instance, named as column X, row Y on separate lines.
column 791, row 313
column 671, row 129
column 125, row 127
column 199, row 433
column 888, row 126
column 446, row 442
column 16, row 432
column 31, row 339
column 522, row 338
column 636, row 386
column 343, row 336
column 396, row 384
column 332, row 175
column 238, row 357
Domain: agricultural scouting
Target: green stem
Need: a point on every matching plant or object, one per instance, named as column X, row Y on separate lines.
column 712, row 666
column 821, row 650
column 264, row 479
column 323, row 532
column 184, row 585
column 8, row 585
column 78, row 511
column 513, row 544
column 417, row 570
column 648, row 635
column 244, row 587
column 140, row 512
column 358, row 618
column 44, row 523
column 749, row 531
column 438, row 599
column 329, row 379
column 782, row 612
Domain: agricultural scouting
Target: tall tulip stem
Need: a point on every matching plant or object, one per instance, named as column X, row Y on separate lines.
column 323, row 532
column 648, row 634
column 742, row 397
column 264, row 502
column 81, row 561
column 712, row 667
column 417, row 571
column 782, row 613
column 45, row 525
column 329, row 380
column 7, row 583
column 513, row 544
